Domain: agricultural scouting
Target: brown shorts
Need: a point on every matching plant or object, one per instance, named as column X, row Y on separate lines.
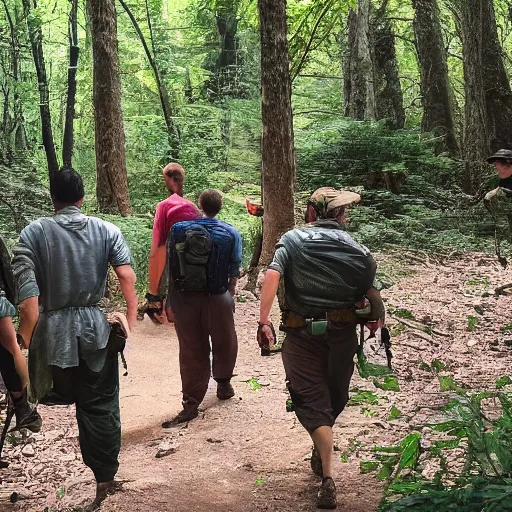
column 318, row 370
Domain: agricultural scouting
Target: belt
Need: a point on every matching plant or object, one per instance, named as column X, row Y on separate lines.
column 293, row 320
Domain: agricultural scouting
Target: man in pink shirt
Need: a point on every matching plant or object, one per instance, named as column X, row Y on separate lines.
column 169, row 211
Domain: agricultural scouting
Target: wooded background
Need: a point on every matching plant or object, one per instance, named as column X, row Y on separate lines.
column 404, row 99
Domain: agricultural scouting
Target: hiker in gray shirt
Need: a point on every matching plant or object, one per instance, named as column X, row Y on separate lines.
column 61, row 266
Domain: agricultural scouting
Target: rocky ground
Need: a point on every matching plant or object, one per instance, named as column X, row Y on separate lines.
column 249, row 454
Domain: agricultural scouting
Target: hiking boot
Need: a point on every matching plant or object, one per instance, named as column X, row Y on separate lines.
column 225, row 390
column 26, row 417
column 327, row 494
column 187, row 414
column 316, row 463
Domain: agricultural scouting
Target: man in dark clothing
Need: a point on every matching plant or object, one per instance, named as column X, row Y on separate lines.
column 13, row 365
column 201, row 290
column 61, row 264
column 325, row 273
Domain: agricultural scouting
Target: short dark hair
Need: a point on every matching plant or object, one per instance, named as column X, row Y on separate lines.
column 210, row 201
column 66, row 186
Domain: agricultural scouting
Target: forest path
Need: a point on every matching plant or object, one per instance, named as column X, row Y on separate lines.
column 248, row 454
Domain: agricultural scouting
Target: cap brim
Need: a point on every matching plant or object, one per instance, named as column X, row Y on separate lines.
column 345, row 198
column 494, row 158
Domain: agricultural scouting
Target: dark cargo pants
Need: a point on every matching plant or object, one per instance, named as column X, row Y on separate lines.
column 10, row 377
column 200, row 317
column 318, row 370
column 96, row 396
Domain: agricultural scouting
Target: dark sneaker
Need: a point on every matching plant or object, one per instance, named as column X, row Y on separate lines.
column 316, row 463
column 327, row 495
column 225, row 391
column 187, row 414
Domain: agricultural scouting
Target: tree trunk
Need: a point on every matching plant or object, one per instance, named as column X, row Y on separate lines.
column 359, row 89
column 435, row 86
column 389, row 98
column 74, row 53
column 488, row 105
column 167, row 109
column 112, row 180
column 278, row 155
column 35, row 35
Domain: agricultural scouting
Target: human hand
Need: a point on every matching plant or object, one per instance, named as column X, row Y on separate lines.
column 266, row 335
column 154, row 307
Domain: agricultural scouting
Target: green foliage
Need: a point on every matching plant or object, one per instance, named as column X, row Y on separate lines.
column 484, row 483
column 364, row 397
column 394, row 414
column 389, row 383
column 367, row 369
column 472, row 322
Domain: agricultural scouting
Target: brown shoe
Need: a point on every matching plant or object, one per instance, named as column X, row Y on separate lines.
column 225, row 391
column 316, row 463
column 187, row 414
column 103, row 490
column 327, row 495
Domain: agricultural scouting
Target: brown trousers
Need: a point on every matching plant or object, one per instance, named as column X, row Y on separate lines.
column 318, row 371
column 199, row 318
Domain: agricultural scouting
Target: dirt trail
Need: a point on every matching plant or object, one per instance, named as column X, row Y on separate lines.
column 248, row 454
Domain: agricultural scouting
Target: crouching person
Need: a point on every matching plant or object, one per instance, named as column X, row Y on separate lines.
column 204, row 264
column 61, row 265
column 325, row 273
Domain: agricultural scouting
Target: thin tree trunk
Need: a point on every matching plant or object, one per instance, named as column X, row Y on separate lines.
column 488, row 105
column 74, row 53
column 278, row 155
column 112, row 180
column 165, row 101
column 35, row 35
column 389, row 98
column 359, row 89
column 435, row 86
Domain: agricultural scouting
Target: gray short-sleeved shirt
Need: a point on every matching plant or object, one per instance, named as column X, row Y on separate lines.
column 64, row 260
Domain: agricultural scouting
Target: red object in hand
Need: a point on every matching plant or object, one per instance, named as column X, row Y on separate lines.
column 374, row 326
column 254, row 209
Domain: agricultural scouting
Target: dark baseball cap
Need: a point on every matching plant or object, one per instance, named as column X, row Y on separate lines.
column 501, row 154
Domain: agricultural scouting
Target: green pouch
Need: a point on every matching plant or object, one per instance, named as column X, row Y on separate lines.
column 317, row 327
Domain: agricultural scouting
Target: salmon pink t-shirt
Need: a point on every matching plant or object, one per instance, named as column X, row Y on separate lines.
column 173, row 209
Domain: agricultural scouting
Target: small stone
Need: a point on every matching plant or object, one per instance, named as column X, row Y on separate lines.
column 70, row 457
column 28, row 451
column 472, row 343
column 165, row 449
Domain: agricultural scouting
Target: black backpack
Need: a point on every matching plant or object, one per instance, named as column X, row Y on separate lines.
column 190, row 260
column 7, row 280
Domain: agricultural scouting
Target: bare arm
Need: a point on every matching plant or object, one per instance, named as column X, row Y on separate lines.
column 29, row 316
column 157, row 258
column 268, row 294
column 127, row 280
column 232, row 286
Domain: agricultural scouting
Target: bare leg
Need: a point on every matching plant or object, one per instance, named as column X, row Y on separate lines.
column 324, row 443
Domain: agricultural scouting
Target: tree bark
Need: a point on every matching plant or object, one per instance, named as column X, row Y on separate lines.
column 74, row 53
column 165, row 101
column 435, row 86
column 35, row 35
column 112, row 180
column 488, row 105
column 278, row 154
column 389, row 98
column 359, row 89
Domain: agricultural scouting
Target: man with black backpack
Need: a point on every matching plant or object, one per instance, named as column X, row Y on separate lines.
column 325, row 273
column 204, row 259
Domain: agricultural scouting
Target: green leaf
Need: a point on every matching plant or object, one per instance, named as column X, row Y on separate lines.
column 255, row 385
column 424, row 366
column 364, row 397
column 506, row 329
column 410, row 451
column 438, row 366
column 367, row 369
column 260, row 481
column 61, row 493
column 394, row 414
column 472, row 322
column 390, row 383
column 503, row 381
column 368, row 466
column 447, row 383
